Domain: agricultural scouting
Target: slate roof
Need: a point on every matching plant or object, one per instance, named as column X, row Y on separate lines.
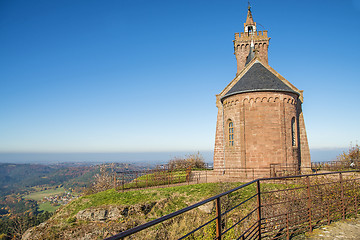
column 258, row 79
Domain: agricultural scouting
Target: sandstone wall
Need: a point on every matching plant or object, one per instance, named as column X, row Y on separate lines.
column 263, row 135
column 242, row 46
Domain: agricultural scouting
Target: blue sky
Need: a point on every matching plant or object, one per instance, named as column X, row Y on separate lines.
column 141, row 76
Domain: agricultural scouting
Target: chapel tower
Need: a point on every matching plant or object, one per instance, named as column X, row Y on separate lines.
column 260, row 124
column 243, row 41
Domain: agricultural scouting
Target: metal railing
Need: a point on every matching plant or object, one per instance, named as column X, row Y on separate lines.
column 336, row 165
column 125, row 180
column 267, row 208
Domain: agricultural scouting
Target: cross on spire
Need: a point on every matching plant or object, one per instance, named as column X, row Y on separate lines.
column 249, row 18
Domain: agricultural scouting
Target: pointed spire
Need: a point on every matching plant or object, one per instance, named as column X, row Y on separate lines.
column 249, row 25
column 249, row 18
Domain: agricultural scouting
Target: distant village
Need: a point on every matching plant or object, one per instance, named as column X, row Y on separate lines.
column 60, row 199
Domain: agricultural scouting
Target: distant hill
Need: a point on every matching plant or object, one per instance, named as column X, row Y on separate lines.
column 17, row 178
column 28, row 190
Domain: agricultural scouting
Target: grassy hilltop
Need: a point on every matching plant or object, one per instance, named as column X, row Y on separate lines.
column 106, row 213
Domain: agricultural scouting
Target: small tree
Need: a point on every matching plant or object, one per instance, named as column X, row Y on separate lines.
column 103, row 180
column 351, row 156
column 177, row 163
column 19, row 225
column 195, row 160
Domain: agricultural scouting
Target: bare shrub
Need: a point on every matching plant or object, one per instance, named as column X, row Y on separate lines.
column 178, row 163
column 351, row 157
column 103, row 180
column 192, row 160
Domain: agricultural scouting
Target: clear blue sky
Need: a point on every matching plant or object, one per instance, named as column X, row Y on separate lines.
column 140, row 76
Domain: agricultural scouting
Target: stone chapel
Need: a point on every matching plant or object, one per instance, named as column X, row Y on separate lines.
column 260, row 126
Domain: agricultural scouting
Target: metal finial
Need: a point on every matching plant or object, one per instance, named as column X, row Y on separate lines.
column 249, row 6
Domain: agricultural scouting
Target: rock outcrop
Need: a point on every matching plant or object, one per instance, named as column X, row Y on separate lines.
column 113, row 213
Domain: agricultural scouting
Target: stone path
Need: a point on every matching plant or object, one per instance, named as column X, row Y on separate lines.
column 342, row 230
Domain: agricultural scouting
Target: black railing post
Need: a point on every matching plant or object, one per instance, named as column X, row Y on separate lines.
column 342, row 196
column 259, row 206
column 309, row 202
column 356, row 205
column 171, row 176
column 115, row 180
column 287, row 226
column 218, row 219
column 123, row 181
column 136, row 179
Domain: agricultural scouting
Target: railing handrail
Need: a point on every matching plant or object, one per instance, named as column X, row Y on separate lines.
column 305, row 175
column 181, row 211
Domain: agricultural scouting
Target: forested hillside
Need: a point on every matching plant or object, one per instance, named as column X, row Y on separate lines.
column 30, row 193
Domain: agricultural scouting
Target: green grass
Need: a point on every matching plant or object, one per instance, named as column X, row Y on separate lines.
column 47, row 207
column 180, row 196
column 175, row 198
column 37, row 196
column 164, row 201
column 157, row 179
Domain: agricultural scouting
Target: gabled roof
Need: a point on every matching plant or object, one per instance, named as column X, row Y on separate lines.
column 258, row 77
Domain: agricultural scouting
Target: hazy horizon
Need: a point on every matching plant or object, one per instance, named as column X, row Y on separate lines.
column 317, row 155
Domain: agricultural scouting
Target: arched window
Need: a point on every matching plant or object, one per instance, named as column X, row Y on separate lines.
column 293, row 131
column 231, row 133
